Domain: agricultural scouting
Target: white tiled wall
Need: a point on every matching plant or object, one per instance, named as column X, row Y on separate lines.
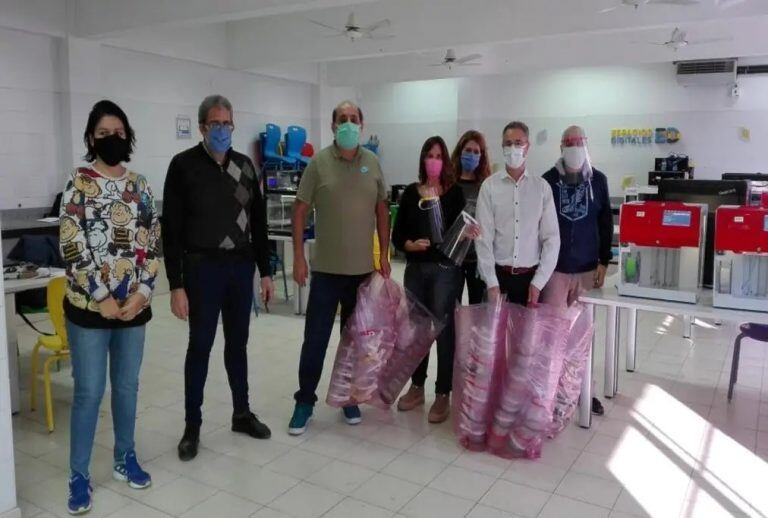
column 29, row 119
column 7, row 469
column 49, row 85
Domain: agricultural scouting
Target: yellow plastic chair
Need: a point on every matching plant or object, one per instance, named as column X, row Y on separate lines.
column 56, row 344
column 377, row 251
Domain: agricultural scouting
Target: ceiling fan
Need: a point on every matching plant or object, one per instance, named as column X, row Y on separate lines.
column 679, row 39
column 353, row 31
column 637, row 3
column 450, row 60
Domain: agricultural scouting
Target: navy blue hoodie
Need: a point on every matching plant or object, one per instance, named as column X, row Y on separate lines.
column 586, row 223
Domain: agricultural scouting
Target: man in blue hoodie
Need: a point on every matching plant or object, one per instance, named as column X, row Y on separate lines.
column 586, row 225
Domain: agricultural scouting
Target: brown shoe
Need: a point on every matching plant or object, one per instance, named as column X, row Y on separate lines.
column 441, row 409
column 413, row 398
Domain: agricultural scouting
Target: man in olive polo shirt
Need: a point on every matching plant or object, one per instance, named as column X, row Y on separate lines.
column 345, row 185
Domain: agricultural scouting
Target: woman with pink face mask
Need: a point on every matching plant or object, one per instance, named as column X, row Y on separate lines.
column 427, row 209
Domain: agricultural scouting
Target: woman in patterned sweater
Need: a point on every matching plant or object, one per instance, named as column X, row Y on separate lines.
column 109, row 233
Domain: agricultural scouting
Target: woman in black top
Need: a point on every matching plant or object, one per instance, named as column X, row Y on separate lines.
column 471, row 165
column 427, row 209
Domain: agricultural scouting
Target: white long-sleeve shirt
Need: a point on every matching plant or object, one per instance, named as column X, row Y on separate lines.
column 519, row 227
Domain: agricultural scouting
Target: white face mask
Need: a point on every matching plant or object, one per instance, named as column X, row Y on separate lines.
column 514, row 156
column 574, row 157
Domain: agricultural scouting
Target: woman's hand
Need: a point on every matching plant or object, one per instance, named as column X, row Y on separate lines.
column 420, row 245
column 109, row 308
column 132, row 307
column 473, row 232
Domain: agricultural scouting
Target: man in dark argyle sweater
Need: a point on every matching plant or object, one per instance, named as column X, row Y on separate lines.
column 214, row 236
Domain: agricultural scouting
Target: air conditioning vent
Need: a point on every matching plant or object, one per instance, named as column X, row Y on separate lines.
column 753, row 69
column 706, row 72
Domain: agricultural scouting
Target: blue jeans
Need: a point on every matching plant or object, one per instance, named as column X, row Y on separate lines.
column 217, row 286
column 326, row 292
column 437, row 286
column 89, row 349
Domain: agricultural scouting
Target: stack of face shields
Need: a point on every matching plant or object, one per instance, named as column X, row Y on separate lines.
column 507, row 373
column 478, row 368
column 383, row 342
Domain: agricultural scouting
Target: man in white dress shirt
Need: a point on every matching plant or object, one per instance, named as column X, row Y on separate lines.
column 520, row 237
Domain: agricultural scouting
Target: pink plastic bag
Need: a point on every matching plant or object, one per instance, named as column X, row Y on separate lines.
column 478, row 368
column 574, row 365
column 381, row 345
column 536, row 340
column 511, row 365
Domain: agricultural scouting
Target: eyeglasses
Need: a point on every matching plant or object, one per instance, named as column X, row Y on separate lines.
column 219, row 125
column 516, row 143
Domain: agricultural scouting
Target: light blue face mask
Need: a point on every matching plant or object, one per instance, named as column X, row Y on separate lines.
column 469, row 161
column 348, row 135
column 219, row 139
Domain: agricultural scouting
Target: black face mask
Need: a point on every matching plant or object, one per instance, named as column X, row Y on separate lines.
column 112, row 149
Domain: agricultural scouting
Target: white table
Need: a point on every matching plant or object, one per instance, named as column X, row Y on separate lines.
column 10, row 288
column 609, row 297
column 300, row 293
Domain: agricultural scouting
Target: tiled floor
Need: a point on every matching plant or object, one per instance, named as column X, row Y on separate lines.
column 669, row 445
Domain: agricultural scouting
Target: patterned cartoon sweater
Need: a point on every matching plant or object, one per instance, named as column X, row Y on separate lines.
column 109, row 234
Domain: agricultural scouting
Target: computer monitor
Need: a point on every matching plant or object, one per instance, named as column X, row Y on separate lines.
column 758, row 186
column 753, row 177
column 654, row 177
column 712, row 193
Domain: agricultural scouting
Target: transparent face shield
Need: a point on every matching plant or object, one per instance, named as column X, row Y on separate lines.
column 576, row 160
column 458, row 239
column 430, row 204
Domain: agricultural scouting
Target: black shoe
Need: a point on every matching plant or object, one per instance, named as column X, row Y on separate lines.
column 189, row 442
column 249, row 424
column 597, row 407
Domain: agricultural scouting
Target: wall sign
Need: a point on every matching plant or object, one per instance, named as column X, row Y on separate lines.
column 644, row 136
column 183, row 127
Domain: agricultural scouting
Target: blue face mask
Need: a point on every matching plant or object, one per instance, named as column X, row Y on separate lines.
column 219, row 139
column 469, row 161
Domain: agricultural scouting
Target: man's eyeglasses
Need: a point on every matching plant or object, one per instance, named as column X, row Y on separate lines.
column 515, row 143
column 219, row 125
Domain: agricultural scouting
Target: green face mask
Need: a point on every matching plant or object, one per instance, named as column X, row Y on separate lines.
column 348, row 135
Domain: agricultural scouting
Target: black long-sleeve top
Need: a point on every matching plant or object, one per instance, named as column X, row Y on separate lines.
column 413, row 223
column 212, row 209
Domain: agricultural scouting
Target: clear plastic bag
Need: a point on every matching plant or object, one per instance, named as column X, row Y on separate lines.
column 381, row 345
column 572, row 373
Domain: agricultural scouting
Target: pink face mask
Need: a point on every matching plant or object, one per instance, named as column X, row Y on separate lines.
column 434, row 167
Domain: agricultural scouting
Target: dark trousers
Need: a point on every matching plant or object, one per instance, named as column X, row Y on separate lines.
column 475, row 285
column 213, row 286
column 437, row 286
column 515, row 287
column 326, row 292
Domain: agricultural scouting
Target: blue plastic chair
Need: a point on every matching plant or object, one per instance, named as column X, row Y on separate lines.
column 757, row 332
column 271, row 156
column 295, row 139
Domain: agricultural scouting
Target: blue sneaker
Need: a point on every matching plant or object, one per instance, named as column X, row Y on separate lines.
column 352, row 415
column 80, row 491
column 302, row 415
column 130, row 471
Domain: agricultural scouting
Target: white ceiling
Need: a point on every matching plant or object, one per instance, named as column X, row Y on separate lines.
column 276, row 36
